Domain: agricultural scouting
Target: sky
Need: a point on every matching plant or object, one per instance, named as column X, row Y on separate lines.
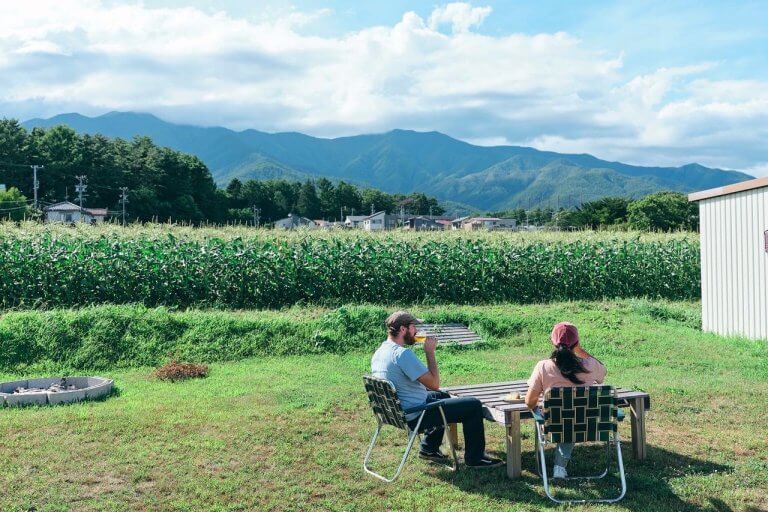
column 642, row 82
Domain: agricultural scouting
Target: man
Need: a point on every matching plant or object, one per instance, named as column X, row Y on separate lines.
column 412, row 380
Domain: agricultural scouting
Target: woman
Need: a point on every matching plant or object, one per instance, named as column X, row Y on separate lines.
column 569, row 365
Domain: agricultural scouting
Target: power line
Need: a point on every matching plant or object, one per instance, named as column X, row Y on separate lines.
column 80, row 189
column 35, row 183
column 123, row 200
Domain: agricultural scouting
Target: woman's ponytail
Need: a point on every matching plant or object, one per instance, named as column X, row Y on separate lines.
column 568, row 364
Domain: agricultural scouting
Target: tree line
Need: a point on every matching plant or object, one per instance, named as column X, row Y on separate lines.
column 660, row 211
column 166, row 184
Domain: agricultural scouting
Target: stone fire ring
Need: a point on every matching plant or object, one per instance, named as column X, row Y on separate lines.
column 86, row 388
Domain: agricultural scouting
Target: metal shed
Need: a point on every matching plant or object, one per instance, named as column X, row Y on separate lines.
column 734, row 258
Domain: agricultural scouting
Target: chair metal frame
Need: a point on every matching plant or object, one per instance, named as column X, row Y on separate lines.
column 544, row 427
column 388, row 411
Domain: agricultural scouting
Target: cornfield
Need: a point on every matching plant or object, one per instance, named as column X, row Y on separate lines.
column 58, row 266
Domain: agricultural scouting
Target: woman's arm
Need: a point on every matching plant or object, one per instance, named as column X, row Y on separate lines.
column 532, row 399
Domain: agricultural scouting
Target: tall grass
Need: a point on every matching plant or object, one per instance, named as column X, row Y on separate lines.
column 239, row 268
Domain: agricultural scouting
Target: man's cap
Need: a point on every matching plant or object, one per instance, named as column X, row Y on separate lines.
column 401, row 319
column 565, row 333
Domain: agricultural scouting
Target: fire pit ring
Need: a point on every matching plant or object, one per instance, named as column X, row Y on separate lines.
column 53, row 390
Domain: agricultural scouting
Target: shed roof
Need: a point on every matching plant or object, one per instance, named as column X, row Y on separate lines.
column 729, row 189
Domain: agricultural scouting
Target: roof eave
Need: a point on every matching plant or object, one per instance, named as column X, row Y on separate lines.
column 729, row 189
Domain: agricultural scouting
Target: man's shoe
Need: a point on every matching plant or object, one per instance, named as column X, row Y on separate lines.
column 559, row 472
column 486, row 462
column 435, row 457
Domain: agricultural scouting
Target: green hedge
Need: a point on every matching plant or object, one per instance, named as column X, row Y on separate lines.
column 103, row 337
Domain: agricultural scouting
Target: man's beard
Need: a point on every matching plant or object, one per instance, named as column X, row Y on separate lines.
column 409, row 339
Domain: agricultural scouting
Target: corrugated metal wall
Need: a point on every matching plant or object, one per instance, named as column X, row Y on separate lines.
column 734, row 264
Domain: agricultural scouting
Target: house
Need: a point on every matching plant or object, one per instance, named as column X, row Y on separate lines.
column 456, row 223
column 381, row 221
column 423, row 223
column 294, row 221
column 354, row 221
column 325, row 224
column 734, row 258
column 491, row 223
column 70, row 212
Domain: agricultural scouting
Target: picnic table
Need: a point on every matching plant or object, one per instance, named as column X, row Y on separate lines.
column 510, row 414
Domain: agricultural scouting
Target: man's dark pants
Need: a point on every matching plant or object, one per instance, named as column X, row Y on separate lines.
column 467, row 411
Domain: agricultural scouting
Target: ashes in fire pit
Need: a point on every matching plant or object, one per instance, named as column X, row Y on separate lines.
column 53, row 388
column 57, row 390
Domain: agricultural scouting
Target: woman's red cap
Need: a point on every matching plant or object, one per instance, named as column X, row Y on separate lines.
column 565, row 333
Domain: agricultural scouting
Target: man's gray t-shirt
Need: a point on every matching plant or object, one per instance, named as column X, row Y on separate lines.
column 401, row 367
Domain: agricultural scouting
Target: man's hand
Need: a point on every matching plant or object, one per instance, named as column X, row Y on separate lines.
column 431, row 379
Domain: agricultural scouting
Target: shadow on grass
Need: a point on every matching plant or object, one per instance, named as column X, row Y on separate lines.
column 648, row 482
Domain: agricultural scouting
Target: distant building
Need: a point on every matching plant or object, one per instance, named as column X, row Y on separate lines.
column 70, row 212
column 423, row 223
column 294, row 221
column 490, row 223
column 324, row 224
column 380, row 221
column 456, row 223
column 354, row 221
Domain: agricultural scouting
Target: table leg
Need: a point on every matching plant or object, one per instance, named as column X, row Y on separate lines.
column 453, row 433
column 637, row 417
column 514, row 453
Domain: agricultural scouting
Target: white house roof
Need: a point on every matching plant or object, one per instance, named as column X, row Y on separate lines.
column 66, row 206
column 729, row 189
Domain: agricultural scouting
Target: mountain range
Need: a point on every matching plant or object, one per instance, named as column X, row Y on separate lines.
column 486, row 178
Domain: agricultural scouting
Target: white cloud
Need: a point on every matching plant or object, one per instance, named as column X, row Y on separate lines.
column 758, row 170
column 546, row 90
column 462, row 16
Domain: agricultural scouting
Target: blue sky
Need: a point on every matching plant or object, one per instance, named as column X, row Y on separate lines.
column 656, row 83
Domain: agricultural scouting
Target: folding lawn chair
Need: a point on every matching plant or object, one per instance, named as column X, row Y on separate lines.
column 387, row 409
column 580, row 415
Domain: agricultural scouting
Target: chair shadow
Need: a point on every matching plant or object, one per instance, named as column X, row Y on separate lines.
column 648, row 481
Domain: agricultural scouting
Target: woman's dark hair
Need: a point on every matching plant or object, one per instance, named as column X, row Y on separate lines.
column 568, row 364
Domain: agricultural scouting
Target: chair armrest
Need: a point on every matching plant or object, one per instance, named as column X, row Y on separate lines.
column 538, row 416
column 424, row 407
column 620, row 415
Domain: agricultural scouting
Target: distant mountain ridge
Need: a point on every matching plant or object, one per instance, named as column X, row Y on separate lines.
column 488, row 178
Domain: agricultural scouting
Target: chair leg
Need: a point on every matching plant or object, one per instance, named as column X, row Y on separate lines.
column 411, row 438
column 619, row 461
column 542, row 461
column 605, row 471
column 450, row 442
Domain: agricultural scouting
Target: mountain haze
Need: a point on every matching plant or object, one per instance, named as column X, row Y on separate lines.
column 489, row 178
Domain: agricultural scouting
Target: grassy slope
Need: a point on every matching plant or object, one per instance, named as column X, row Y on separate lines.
column 288, row 433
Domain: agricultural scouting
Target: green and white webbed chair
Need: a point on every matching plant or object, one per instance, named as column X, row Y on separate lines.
column 388, row 411
column 580, row 415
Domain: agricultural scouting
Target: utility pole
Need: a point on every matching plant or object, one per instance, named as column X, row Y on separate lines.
column 80, row 189
column 256, row 215
column 35, row 183
column 123, row 200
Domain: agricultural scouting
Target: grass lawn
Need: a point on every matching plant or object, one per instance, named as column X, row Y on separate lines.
column 289, row 432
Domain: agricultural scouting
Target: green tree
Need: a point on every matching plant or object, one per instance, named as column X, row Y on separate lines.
column 377, row 201
column 349, row 197
column 328, row 201
column 13, row 205
column 308, row 203
column 663, row 211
